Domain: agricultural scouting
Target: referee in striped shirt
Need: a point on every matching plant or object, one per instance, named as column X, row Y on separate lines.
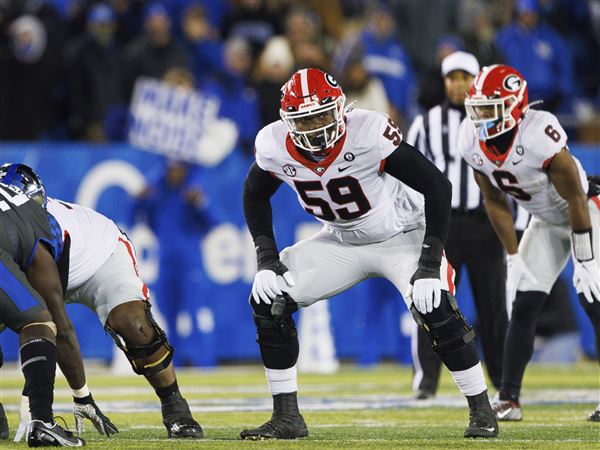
column 472, row 242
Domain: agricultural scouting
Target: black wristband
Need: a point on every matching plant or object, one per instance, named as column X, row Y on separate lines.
column 431, row 254
column 266, row 251
column 87, row 400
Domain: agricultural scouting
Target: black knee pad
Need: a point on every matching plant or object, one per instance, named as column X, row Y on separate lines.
column 527, row 305
column 136, row 354
column 275, row 326
column 446, row 326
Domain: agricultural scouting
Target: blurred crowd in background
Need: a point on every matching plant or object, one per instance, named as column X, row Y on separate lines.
column 68, row 67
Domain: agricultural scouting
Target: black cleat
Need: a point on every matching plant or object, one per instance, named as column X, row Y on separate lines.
column 178, row 419
column 595, row 416
column 424, row 394
column 3, row 424
column 286, row 421
column 42, row 434
column 482, row 419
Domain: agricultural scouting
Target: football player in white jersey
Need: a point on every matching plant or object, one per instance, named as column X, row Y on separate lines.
column 523, row 152
column 103, row 275
column 354, row 173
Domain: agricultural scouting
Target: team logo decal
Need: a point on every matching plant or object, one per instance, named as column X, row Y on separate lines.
column 290, row 171
column 477, row 159
column 329, row 78
column 520, row 150
column 319, row 169
column 512, row 83
column 349, row 156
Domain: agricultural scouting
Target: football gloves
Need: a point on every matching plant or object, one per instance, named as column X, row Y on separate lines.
column 586, row 279
column 83, row 408
column 425, row 287
column 272, row 273
column 516, row 270
column 266, row 283
column 86, row 408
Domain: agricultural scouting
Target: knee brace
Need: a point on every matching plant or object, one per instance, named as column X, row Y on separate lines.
column 147, row 359
column 275, row 326
column 445, row 326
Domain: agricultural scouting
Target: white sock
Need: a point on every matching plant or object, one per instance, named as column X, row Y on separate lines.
column 282, row 381
column 471, row 381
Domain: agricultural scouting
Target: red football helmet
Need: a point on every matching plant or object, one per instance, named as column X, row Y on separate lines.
column 312, row 106
column 496, row 101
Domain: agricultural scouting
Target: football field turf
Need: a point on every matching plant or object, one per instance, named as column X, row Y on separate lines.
column 352, row 409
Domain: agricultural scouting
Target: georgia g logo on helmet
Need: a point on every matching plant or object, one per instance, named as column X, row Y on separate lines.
column 512, row 83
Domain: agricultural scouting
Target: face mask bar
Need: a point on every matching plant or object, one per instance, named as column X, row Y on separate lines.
column 316, row 139
column 490, row 117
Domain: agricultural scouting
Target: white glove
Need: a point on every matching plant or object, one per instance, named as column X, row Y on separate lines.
column 516, row 270
column 86, row 408
column 586, row 279
column 24, row 419
column 267, row 281
column 426, row 294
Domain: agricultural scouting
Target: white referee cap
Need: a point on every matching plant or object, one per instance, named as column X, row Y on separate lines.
column 460, row 61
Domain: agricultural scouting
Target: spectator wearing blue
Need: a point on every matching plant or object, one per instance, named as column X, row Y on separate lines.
column 541, row 55
column 386, row 59
column 202, row 43
column 156, row 51
column 93, row 77
column 239, row 101
column 175, row 208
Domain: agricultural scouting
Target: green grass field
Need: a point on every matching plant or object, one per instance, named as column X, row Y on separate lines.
column 352, row 409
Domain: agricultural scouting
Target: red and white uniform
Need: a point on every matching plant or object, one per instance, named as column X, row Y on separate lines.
column 373, row 224
column 347, row 191
column 102, row 265
column 522, row 173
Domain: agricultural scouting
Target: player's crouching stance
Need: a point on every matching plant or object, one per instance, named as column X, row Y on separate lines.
column 103, row 275
column 352, row 171
column 523, row 152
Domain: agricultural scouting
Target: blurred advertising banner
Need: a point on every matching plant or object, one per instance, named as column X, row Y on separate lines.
column 179, row 123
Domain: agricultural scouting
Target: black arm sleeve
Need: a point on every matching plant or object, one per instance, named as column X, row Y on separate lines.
column 409, row 165
column 259, row 186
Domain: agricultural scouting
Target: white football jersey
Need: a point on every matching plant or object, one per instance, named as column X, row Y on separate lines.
column 94, row 238
column 347, row 191
column 523, row 173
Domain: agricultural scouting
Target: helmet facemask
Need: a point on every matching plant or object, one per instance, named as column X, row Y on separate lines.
column 316, row 128
column 491, row 117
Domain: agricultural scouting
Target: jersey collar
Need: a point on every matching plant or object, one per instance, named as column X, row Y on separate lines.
column 495, row 157
column 318, row 167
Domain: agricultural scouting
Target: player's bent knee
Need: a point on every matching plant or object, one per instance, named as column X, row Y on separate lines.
column 144, row 343
column 446, row 327
column 275, row 325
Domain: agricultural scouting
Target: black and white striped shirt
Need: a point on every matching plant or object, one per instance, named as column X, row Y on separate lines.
column 435, row 134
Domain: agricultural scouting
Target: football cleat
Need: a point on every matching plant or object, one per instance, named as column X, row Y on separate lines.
column 184, row 428
column 3, row 424
column 178, row 419
column 286, row 421
column 278, row 428
column 482, row 420
column 507, row 410
column 424, row 394
column 595, row 415
column 42, row 434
